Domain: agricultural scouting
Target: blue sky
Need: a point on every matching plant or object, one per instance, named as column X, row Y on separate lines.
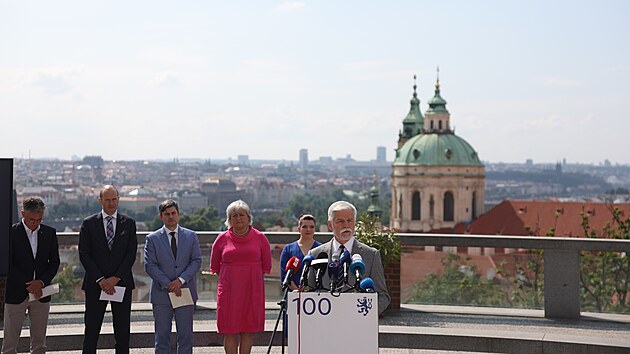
column 544, row 80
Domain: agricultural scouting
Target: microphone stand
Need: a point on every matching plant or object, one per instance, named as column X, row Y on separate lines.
column 281, row 314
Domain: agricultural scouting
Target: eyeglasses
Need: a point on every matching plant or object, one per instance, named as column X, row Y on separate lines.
column 34, row 220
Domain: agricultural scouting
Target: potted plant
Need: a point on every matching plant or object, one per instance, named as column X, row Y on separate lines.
column 370, row 232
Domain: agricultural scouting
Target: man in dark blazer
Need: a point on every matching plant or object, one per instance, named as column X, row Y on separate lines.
column 342, row 218
column 107, row 249
column 172, row 259
column 33, row 263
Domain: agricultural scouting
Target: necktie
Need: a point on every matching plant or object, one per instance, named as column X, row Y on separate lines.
column 110, row 231
column 173, row 244
column 341, row 249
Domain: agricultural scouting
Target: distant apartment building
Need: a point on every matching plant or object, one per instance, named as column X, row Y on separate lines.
column 191, row 201
column 303, row 158
column 220, row 192
column 273, row 192
column 243, row 159
column 50, row 195
column 381, row 154
column 138, row 200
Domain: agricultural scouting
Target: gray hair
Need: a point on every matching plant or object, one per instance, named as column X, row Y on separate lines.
column 34, row 205
column 339, row 206
column 233, row 207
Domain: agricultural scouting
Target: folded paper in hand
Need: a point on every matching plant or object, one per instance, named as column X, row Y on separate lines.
column 46, row 291
column 184, row 300
column 117, row 296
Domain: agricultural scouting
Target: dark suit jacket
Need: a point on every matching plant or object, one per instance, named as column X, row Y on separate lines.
column 22, row 265
column 373, row 269
column 98, row 260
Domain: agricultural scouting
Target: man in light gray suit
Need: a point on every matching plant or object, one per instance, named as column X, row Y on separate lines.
column 172, row 259
column 342, row 217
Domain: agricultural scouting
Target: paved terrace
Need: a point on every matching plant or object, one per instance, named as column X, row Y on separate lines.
column 413, row 329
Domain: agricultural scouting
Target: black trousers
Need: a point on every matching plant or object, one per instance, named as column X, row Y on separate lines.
column 94, row 313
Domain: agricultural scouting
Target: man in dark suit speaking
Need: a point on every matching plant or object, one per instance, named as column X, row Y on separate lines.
column 342, row 218
column 33, row 263
column 107, row 249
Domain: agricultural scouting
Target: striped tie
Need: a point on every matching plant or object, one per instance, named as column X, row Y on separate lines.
column 110, row 231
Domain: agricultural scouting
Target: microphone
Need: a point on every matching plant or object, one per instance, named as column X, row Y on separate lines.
column 292, row 266
column 357, row 267
column 320, row 265
column 333, row 271
column 306, row 263
column 344, row 260
column 367, row 285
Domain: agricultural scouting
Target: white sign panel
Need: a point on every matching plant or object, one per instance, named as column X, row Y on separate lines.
column 339, row 323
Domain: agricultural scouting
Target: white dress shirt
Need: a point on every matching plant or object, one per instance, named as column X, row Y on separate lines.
column 348, row 245
column 32, row 237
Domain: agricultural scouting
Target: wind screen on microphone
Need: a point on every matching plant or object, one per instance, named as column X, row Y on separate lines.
column 333, row 266
column 320, row 264
column 357, row 264
column 306, row 263
column 292, row 266
column 307, row 260
column 358, row 268
column 367, row 285
column 344, row 260
column 333, row 271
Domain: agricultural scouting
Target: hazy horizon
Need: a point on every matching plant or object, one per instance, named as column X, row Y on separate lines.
column 148, row 80
column 296, row 160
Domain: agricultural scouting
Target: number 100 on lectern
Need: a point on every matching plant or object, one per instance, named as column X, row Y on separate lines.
column 339, row 323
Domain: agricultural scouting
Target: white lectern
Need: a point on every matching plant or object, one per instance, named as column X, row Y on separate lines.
column 339, row 323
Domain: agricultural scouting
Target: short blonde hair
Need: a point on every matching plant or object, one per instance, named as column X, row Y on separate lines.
column 233, row 207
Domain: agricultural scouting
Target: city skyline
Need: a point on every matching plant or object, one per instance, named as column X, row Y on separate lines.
column 155, row 80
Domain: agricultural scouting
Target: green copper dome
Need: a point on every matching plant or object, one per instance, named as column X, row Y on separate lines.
column 437, row 150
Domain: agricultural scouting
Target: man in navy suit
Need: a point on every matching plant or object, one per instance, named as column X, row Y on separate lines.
column 33, row 263
column 107, row 250
column 172, row 259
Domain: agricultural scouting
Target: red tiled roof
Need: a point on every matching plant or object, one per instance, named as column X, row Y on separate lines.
column 513, row 217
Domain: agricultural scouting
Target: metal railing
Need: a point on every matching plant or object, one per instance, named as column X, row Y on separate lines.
column 561, row 257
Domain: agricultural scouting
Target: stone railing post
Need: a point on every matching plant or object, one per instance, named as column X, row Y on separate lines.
column 562, row 284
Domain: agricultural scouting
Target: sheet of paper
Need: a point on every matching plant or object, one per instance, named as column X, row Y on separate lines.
column 117, row 296
column 184, row 300
column 47, row 290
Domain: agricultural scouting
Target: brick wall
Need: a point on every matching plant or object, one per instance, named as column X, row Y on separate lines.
column 392, row 279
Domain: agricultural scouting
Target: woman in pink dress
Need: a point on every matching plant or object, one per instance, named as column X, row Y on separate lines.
column 240, row 256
